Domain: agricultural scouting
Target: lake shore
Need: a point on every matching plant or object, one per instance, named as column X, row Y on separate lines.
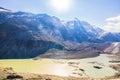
column 79, row 69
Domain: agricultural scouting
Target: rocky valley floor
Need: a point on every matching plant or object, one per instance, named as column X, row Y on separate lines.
column 103, row 67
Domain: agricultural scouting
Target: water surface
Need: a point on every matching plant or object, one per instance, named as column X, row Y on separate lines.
column 63, row 67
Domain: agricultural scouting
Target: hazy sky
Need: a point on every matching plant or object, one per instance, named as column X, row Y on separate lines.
column 95, row 12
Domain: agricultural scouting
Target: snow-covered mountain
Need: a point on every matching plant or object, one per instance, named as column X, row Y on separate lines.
column 25, row 35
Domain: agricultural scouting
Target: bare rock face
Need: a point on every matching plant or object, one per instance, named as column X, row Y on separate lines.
column 114, row 48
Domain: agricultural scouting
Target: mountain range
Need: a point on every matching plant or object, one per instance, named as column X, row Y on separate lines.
column 28, row 35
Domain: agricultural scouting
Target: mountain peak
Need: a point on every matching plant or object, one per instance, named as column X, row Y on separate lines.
column 76, row 19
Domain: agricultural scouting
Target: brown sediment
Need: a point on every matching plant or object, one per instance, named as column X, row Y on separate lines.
column 4, row 72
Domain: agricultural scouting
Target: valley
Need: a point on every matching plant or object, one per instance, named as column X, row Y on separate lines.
column 89, row 68
column 45, row 47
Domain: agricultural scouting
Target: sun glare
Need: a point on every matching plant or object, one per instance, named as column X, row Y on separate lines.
column 61, row 5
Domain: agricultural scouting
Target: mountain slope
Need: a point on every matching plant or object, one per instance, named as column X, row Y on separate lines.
column 113, row 48
column 27, row 35
column 4, row 10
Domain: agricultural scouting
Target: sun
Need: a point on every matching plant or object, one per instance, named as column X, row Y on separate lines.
column 61, row 5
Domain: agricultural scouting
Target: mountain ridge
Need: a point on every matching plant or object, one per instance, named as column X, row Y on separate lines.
column 27, row 35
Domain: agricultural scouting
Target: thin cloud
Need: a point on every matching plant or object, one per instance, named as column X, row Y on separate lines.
column 112, row 24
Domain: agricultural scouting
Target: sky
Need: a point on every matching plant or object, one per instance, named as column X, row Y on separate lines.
column 101, row 13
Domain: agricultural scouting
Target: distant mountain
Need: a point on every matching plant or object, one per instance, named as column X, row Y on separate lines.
column 27, row 35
